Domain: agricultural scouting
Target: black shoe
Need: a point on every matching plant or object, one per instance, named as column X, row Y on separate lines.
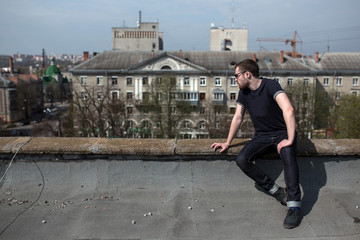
column 292, row 219
column 280, row 196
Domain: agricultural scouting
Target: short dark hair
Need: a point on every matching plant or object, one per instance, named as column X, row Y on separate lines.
column 250, row 66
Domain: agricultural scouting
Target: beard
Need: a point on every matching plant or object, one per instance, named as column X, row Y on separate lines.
column 242, row 85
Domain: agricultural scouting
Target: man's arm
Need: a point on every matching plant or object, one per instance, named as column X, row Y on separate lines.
column 234, row 128
column 289, row 117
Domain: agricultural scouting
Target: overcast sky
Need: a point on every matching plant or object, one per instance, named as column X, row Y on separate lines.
column 75, row 26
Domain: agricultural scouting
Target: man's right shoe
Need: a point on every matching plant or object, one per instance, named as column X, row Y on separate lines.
column 280, row 196
column 293, row 218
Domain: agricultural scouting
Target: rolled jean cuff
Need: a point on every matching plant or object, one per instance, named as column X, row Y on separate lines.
column 293, row 204
column 274, row 189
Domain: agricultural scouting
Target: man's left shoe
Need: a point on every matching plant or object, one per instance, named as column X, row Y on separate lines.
column 293, row 218
column 280, row 196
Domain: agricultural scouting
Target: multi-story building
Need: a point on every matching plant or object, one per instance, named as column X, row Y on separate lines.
column 145, row 36
column 228, row 39
column 204, row 80
column 8, row 108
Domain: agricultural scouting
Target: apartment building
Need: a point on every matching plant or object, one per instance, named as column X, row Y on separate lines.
column 145, row 36
column 204, row 80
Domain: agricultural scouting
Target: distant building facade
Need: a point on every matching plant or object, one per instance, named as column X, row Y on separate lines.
column 8, row 108
column 145, row 36
column 205, row 80
column 228, row 39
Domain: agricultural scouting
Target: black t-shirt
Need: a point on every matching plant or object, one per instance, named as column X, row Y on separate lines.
column 265, row 113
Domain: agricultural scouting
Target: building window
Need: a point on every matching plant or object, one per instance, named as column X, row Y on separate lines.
column 129, row 81
column 218, row 96
column 83, row 80
column 202, row 125
column 114, row 95
column 172, row 110
column 202, row 96
column 326, row 81
column 355, row 81
column 290, row 81
column 202, row 81
column 129, row 110
column 338, row 95
column 130, row 124
column 114, row 80
column 99, row 80
column 217, row 82
column 159, row 81
column 186, row 136
column 338, row 81
column 186, row 81
column 306, row 82
column 99, row 96
column 232, row 110
column 146, row 96
column 84, row 96
column 202, row 110
column 187, row 124
column 217, row 125
column 145, row 81
column 232, row 96
column 232, row 81
column 354, row 93
column 129, row 95
column 159, row 96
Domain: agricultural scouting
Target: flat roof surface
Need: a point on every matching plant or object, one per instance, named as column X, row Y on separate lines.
column 139, row 199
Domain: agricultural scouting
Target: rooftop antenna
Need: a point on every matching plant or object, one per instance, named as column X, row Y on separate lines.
column 245, row 24
column 139, row 19
column 233, row 13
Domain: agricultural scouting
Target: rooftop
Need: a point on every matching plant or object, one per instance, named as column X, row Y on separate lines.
column 94, row 188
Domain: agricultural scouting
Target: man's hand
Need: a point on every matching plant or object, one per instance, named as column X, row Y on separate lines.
column 284, row 143
column 223, row 146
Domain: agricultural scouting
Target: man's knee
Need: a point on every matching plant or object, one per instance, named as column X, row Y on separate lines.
column 241, row 161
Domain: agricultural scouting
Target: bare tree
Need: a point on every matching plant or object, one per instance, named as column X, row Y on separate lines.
column 166, row 105
column 98, row 114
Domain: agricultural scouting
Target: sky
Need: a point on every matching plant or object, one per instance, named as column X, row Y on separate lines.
column 75, row 26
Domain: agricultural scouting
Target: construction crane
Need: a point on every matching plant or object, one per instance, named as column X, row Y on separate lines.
column 292, row 42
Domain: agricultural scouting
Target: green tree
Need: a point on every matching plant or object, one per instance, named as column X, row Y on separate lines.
column 302, row 97
column 347, row 113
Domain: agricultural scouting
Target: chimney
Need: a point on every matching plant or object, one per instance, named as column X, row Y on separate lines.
column 86, row 56
column 282, row 56
column 152, row 53
column 254, row 57
column 316, row 56
column 180, row 54
column 11, row 65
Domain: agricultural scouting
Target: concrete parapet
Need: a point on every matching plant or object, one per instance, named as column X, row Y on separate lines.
column 159, row 147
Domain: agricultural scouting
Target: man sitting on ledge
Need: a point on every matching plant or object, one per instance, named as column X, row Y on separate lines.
column 273, row 118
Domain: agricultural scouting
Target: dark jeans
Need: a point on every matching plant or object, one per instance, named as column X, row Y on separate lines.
column 262, row 144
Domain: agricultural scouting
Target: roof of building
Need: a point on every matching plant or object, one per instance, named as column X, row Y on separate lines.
column 213, row 61
column 4, row 82
column 16, row 78
column 52, row 69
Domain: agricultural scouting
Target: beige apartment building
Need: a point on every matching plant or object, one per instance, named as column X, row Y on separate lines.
column 204, row 80
column 228, row 39
column 145, row 36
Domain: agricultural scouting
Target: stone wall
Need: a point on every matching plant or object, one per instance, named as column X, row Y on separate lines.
column 84, row 148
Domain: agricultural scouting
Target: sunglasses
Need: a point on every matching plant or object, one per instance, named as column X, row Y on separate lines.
column 239, row 74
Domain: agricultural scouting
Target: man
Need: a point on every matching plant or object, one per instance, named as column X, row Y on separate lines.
column 273, row 118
